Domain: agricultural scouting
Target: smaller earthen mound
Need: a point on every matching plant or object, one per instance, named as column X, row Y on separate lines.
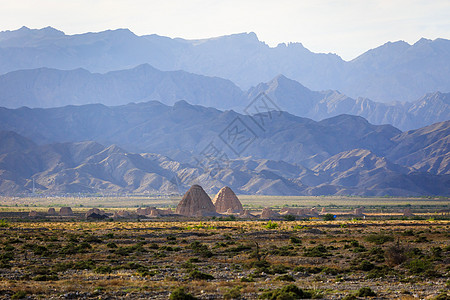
column 65, row 211
column 196, row 202
column 154, row 213
column 96, row 214
column 226, row 200
column 407, row 212
column 122, row 214
column 33, row 214
column 359, row 211
column 268, row 213
column 246, row 215
column 51, row 211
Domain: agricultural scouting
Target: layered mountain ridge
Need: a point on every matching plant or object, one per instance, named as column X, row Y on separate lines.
column 343, row 155
column 392, row 72
column 46, row 88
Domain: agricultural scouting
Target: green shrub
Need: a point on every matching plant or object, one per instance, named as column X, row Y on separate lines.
column 196, row 274
column 317, row 251
column 379, row 238
column 289, row 217
column 4, row 223
column 366, row 266
column 180, row 294
column 103, row 269
column 19, row 295
column 419, row 266
column 45, row 277
column 365, row 292
column 295, row 240
column 285, row 277
column 271, row 225
column 111, row 245
column 395, row 255
column 201, row 249
column 233, row 293
column 328, row 217
column 286, row 293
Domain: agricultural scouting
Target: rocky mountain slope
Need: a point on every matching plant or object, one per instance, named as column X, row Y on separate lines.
column 392, row 72
column 284, row 155
column 158, row 128
column 52, row 88
column 89, row 167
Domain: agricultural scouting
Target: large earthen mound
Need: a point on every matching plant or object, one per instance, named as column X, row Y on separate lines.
column 226, row 201
column 65, row 211
column 196, row 203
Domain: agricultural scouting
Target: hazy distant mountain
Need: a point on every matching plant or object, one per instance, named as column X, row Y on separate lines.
column 394, row 71
column 51, row 88
column 157, row 128
column 293, row 97
column 89, row 167
column 426, row 149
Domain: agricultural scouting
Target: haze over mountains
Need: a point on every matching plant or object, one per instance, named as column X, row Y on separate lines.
column 342, row 155
column 46, row 87
column 395, row 71
column 115, row 112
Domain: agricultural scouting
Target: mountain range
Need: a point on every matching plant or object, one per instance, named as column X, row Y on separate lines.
column 343, row 155
column 46, row 87
column 395, row 71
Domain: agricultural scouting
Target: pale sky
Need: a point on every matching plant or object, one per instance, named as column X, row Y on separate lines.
column 347, row 28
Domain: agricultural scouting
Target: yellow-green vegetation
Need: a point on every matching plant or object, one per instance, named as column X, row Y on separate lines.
column 172, row 259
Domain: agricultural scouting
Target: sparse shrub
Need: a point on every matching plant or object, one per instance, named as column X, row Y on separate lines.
column 441, row 296
column 271, row 225
column 111, row 245
column 289, row 217
column 84, row 265
column 328, row 217
column 421, row 239
column 379, row 239
column 45, row 277
column 19, row 295
column 284, row 251
column 103, row 269
column 395, row 255
column 295, row 240
column 201, row 249
column 92, row 239
column 418, row 266
column 277, row 269
column 366, row 266
column 239, row 248
column 180, row 294
column 285, row 277
column 317, row 251
column 109, row 235
column 233, row 293
column 196, row 274
column 365, row 292
column 4, row 223
column 286, row 293
column 248, row 279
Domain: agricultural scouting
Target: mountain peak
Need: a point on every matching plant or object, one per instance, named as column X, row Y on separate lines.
column 422, row 41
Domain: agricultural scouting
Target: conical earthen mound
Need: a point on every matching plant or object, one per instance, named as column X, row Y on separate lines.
column 195, row 203
column 226, row 201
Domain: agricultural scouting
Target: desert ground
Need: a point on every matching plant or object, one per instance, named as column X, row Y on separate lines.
column 381, row 253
